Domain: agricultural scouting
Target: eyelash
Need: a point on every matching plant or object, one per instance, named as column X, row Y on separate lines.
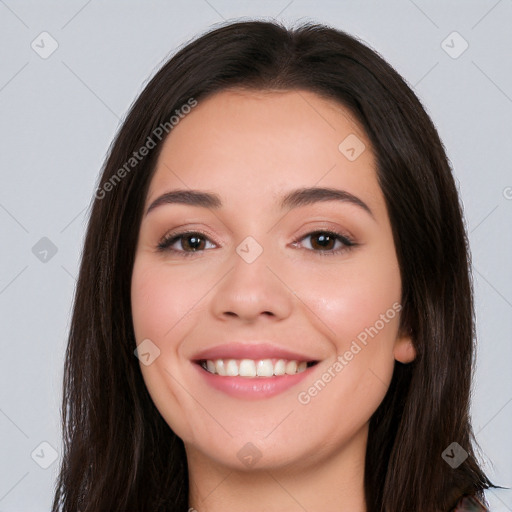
column 168, row 240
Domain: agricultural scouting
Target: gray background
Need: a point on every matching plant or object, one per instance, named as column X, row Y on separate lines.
column 60, row 113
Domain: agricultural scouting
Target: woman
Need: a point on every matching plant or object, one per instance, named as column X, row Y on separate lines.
column 277, row 237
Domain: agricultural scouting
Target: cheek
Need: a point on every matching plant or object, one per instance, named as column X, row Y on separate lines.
column 354, row 298
column 161, row 298
column 351, row 384
column 160, row 302
column 149, row 295
column 357, row 308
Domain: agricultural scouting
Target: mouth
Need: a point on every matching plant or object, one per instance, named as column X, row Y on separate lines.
column 254, row 368
column 252, row 371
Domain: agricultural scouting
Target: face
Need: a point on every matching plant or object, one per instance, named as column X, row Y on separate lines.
column 265, row 275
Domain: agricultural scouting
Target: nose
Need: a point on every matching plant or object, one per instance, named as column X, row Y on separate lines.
column 250, row 290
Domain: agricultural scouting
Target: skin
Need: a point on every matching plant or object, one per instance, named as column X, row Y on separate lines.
column 251, row 148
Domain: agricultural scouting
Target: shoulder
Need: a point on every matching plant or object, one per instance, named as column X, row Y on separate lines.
column 469, row 504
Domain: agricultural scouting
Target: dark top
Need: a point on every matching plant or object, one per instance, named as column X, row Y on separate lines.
column 470, row 504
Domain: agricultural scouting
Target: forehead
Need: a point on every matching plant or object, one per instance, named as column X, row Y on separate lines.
column 249, row 145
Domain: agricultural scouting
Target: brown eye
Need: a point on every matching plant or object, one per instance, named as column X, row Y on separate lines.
column 327, row 242
column 184, row 243
column 192, row 243
column 323, row 241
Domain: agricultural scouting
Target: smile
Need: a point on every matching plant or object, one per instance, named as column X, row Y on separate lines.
column 254, row 368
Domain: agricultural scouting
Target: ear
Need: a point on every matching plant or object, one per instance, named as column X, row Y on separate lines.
column 403, row 349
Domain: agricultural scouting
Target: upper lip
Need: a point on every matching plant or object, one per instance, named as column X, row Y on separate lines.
column 249, row 351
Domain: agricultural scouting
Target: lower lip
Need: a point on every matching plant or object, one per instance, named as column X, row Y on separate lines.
column 252, row 388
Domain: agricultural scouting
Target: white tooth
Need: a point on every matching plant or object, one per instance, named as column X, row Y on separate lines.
column 253, row 368
column 231, row 368
column 247, row 368
column 280, row 367
column 291, row 367
column 220, row 367
column 302, row 366
column 265, row 368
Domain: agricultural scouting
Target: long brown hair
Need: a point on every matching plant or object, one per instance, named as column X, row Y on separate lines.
column 119, row 453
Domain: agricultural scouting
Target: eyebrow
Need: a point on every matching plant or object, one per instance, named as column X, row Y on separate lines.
column 294, row 199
